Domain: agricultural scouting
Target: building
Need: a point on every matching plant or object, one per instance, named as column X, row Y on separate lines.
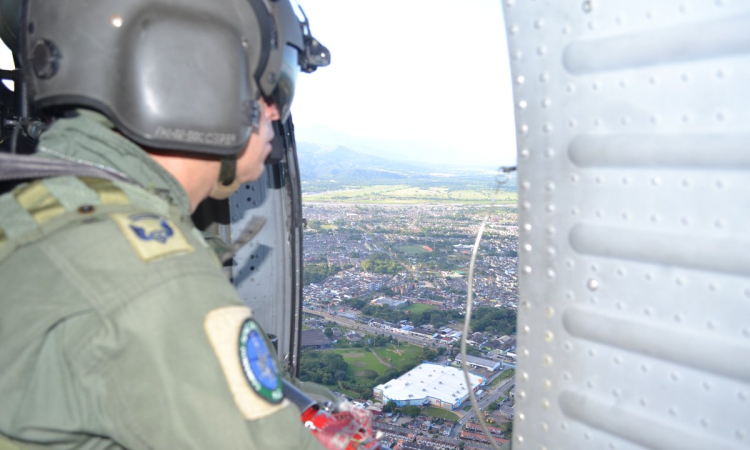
column 428, row 384
column 390, row 302
column 482, row 363
column 315, row 339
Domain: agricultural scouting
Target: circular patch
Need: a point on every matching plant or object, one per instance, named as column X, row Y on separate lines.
column 259, row 364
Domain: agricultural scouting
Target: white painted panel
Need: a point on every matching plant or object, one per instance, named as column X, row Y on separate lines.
column 633, row 131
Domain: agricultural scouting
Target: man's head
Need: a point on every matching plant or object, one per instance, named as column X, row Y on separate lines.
column 184, row 76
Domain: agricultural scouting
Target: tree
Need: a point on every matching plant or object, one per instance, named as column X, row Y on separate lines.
column 390, row 406
column 410, row 410
column 328, row 332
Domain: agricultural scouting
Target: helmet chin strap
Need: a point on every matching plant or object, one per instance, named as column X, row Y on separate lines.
column 227, row 183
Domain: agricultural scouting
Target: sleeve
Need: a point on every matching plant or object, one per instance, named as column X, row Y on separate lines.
column 167, row 371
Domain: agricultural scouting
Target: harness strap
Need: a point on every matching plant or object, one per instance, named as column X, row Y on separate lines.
column 25, row 167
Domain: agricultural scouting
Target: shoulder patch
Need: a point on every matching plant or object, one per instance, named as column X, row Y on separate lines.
column 248, row 364
column 152, row 236
column 258, row 363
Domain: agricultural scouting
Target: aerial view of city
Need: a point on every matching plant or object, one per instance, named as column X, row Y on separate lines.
column 385, row 287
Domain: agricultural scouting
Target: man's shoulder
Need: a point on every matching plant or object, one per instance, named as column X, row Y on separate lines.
column 100, row 226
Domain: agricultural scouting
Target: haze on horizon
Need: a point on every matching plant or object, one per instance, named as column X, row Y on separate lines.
column 418, row 80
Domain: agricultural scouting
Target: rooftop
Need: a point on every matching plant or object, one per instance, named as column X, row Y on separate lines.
column 429, row 380
column 314, row 338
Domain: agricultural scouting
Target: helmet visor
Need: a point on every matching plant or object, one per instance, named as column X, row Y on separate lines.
column 284, row 93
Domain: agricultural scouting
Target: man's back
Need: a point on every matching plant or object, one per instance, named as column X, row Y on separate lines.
column 116, row 320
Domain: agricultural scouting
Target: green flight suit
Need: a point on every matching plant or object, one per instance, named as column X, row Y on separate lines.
column 117, row 327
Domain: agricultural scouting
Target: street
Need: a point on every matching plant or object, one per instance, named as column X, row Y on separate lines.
column 483, row 403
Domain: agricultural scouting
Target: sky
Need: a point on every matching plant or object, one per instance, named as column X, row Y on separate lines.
column 429, row 79
column 420, row 80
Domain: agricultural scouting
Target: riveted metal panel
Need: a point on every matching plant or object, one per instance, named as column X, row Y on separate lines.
column 634, row 198
column 261, row 270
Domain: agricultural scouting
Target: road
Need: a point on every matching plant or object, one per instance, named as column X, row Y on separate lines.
column 353, row 324
column 483, row 403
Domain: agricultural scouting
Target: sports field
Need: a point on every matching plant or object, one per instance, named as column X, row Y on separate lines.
column 419, row 307
column 360, row 360
column 439, row 413
column 413, row 249
column 403, row 356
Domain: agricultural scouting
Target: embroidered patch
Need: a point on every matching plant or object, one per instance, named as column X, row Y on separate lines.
column 259, row 364
column 222, row 327
column 152, row 236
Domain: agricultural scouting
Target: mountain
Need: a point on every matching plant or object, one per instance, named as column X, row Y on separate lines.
column 340, row 164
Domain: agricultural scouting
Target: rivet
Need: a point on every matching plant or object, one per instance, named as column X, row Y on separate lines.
column 548, row 336
column 544, row 77
column 517, row 55
column 587, row 6
column 550, row 311
column 522, row 104
column 520, row 79
column 539, row 24
column 86, row 209
column 541, row 50
column 593, row 284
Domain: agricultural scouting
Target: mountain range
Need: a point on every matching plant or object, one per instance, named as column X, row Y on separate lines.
column 340, row 164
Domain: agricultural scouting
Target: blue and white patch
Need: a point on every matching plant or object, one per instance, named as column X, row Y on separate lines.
column 259, row 364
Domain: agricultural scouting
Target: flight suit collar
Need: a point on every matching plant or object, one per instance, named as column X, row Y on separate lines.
column 89, row 137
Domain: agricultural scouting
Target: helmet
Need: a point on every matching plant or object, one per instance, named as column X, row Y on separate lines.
column 182, row 75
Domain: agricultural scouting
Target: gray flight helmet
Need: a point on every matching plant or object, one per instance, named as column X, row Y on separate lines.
column 180, row 75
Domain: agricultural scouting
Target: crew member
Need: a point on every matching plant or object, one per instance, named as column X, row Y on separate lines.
column 118, row 328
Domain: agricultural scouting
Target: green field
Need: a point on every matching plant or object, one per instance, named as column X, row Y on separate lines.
column 412, row 249
column 419, row 307
column 405, row 194
column 401, row 356
column 360, row 360
column 439, row 413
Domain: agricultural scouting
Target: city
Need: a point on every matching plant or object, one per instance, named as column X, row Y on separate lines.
column 385, row 288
